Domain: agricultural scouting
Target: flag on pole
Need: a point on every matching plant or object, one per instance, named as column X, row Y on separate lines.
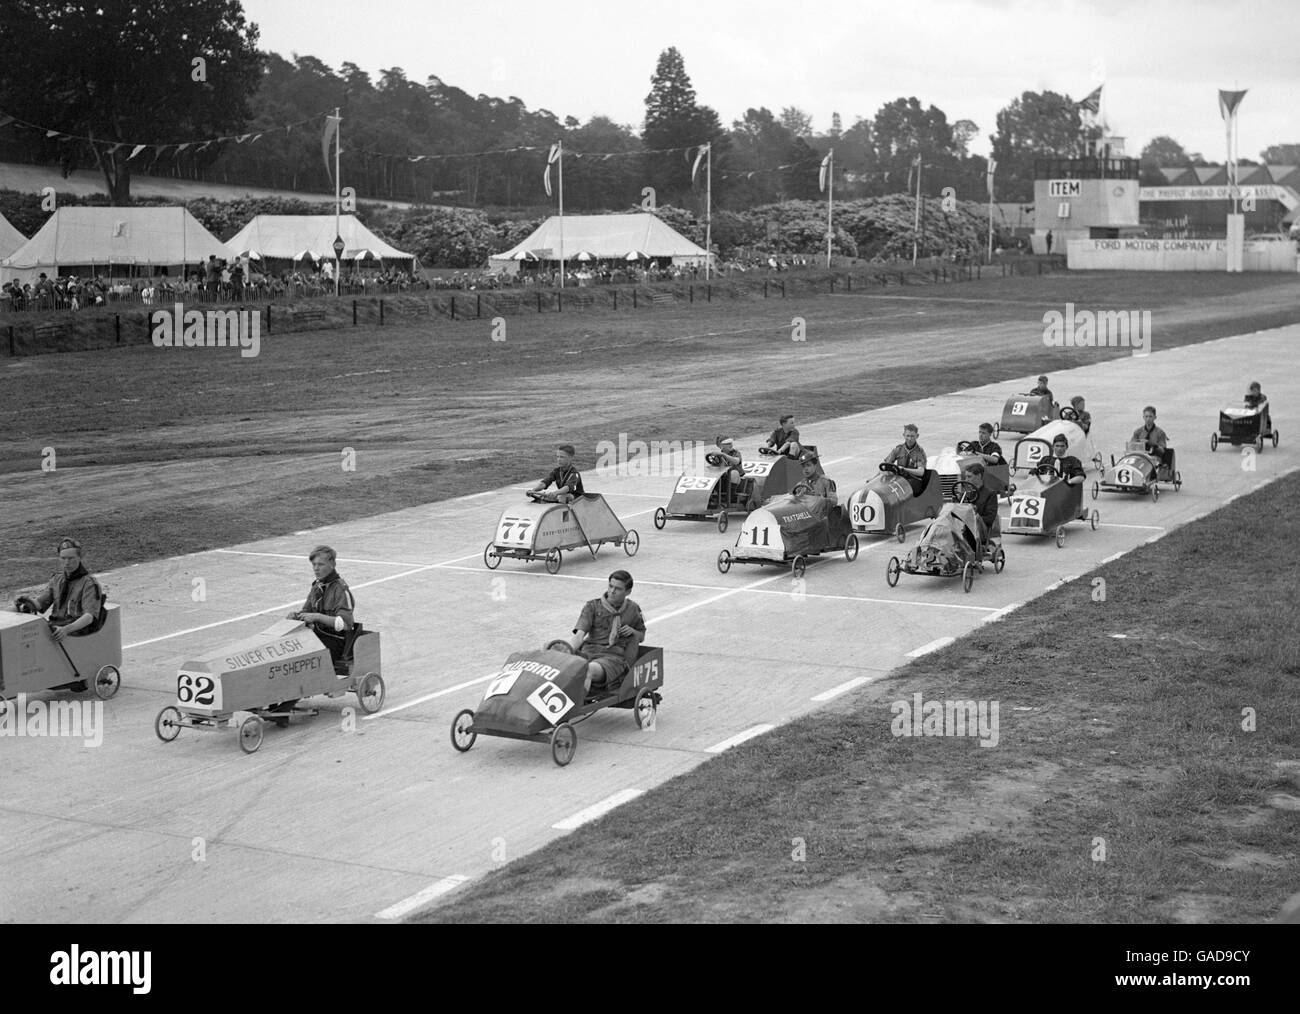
column 550, row 161
column 916, row 164
column 993, row 165
column 329, row 134
column 1229, row 101
column 695, row 169
column 821, row 176
column 1092, row 102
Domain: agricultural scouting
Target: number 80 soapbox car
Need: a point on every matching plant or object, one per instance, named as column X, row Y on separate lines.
column 286, row 662
column 538, row 695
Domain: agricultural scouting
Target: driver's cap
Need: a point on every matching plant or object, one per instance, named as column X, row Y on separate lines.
column 808, row 458
column 725, row 441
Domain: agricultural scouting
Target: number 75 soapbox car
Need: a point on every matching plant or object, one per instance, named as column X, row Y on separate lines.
column 286, row 662
column 539, row 695
column 543, row 531
column 32, row 661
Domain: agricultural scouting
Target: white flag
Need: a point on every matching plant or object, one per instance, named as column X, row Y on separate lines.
column 704, row 149
column 993, row 165
column 821, row 177
column 551, row 159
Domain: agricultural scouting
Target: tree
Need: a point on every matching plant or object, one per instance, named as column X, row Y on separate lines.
column 1037, row 124
column 673, row 119
column 117, row 73
column 1161, row 152
column 796, row 121
column 1281, row 154
column 963, row 132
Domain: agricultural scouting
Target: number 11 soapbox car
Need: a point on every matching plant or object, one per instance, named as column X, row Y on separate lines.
column 285, row 663
column 538, row 695
column 791, row 529
column 544, row 529
column 705, row 495
column 950, row 546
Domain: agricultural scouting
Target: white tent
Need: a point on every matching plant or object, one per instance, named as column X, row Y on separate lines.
column 604, row 237
column 88, row 241
column 10, row 238
column 287, row 237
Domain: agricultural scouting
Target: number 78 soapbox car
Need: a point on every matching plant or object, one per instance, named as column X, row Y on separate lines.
column 539, row 695
column 543, row 531
column 286, row 662
column 31, row 660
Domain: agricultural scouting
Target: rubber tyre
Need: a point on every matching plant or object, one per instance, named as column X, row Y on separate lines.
column 967, row 577
column 644, row 709
column 892, row 569
column 661, row 518
column 900, row 534
column 1275, row 438
column 851, row 547
column 107, row 682
column 1096, row 489
column 167, row 726
column 564, row 743
column 251, row 732
column 1060, row 536
column 799, row 567
column 371, row 692
column 1155, row 494
column 1214, row 441
column 631, row 542
column 724, row 561
column 1094, row 519
column 1178, row 481
column 554, row 559
column 1259, row 444
column 999, row 560
column 722, row 521
column 462, row 736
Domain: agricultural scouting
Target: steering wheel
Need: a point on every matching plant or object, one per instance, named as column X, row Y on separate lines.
column 24, row 605
column 962, row 487
column 1072, row 416
column 801, row 488
column 888, row 466
column 560, row 645
column 713, row 458
column 965, row 446
column 1046, row 466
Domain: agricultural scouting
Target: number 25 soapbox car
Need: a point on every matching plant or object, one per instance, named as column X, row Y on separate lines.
column 543, row 530
column 700, row 497
column 949, row 546
column 538, row 695
column 31, row 660
column 286, row 662
column 1137, row 472
column 790, row 529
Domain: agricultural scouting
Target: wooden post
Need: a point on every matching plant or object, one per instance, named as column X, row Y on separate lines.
column 453, row 306
column 12, row 349
column 708, row 292
column 117, row 327
column 634, row 299
column 268, row 318
column 381, row 313
column 354, row 313
column 616, row 299
column 478, row 306
column 539, row 301
column 692, row 295
column 764, row 288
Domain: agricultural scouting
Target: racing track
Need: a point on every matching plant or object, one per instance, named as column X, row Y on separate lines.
column 327, row 825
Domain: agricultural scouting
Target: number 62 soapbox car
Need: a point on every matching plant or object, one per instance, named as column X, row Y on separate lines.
column 31, row 660
column 543, row 530
column 700, row 497
column 538, row 695
column 286, row 662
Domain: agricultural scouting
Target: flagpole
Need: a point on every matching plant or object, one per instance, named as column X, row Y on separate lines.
column 560, row 149
column 338, row 143
column 830, row 203
column 992, row 166
column 916, row 227
column 708, row 211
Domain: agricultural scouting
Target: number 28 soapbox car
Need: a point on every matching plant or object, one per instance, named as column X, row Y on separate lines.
column 31, row 660
column 543, row 530
column 1138, row 472
column 285, row 663
column 538, row 695
column 705, row 495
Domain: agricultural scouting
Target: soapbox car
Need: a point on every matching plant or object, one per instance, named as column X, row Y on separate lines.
column 1137, row 472
column 543, row 530
column 952, row 462
column 538, row 695
column 1024, row 413
column 886, row 504
column 1033, row 448
column 699, row 497
column 1241, row 424
column 31, row 660
column 791, row 529
column 950, row 546
column 1046, row 503
column 256, row 675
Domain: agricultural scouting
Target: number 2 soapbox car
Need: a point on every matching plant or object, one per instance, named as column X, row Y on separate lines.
column 31, row 660
column 790, row 529
column 700, row 497
column 286, row 662
column 1045, row 503
column 543, row 530
column 1030, row 450
column 886, row 504
column 538, row 695
column 1240, row 424
column 1137, row 472
column 950, row 546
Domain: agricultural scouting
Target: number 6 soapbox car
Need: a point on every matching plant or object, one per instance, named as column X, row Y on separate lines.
column 790, row 529
column 1046, row 503
column 538, row 695
column 1137, row 472
column 31, row 660
column 543, row 531
column 286, row 662
column 886, row 506
column 1244, row 425
column 700, row 497
column 950, row 546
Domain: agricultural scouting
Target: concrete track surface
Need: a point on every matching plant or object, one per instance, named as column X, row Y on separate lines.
column 325, row 824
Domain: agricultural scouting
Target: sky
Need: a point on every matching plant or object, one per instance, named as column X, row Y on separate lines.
column 1161, row 61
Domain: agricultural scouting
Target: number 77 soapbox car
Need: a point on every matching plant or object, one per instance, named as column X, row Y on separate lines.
column 539, row 695
column 32, row 661
column 543, row 531
column 285, row 663
column 790, row 529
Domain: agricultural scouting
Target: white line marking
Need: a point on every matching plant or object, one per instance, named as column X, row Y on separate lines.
column 1114, row 556
column 1235, row 496
column 429, row 697
column 300, row 556
column 843, row 688
column 704, row 602
column 739, row 737
column 1156, row 538
column 935, row 645
column 1149, row 528
column 598, row 810
column 1001, row 612
column 1054, row 585
column 434, row 890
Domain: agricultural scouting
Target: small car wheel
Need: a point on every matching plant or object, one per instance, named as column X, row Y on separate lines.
column 1096, row 489
column 490, row 559
column 724, row 561
column 371, row 692
column 899, row 533
column 997, row 429
column 799, row 566
column 1259, row 443
column 1060, row 536
column 564, row 743
column 553, row 560
column 251, row 732
column 631, row 542
column 168, row 724
column 967, row 577
column 1094, row 519
column 1214, row 441
column 462, row 730
column 107, row 682
column 999, row 560
column 661, row 518
column 1275, row 438
column 722, row 521
column 850, row 547
column 1155, row 494
column 644, row 708
column 892, row 570
column 1178, row 481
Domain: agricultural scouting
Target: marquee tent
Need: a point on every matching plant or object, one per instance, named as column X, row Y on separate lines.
column 10, row 238
column 604, row 237
column 287, row 237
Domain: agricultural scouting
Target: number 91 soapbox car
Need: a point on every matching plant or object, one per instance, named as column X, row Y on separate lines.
column 543, row 531
column 539, row 695
column 31, row 660
column 285, row 663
